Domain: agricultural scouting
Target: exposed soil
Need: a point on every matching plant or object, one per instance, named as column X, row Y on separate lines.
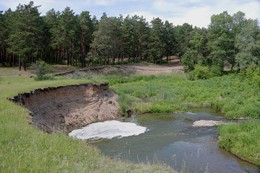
column 154, row 69
column 207, row 123
column 140, row 69
column 70, row 107
column 70, row 71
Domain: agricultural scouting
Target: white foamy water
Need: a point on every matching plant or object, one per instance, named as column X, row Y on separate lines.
column 108, row 130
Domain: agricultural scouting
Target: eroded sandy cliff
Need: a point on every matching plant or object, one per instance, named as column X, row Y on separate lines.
column 70, row 107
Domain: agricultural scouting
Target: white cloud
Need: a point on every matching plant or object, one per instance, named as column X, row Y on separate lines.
column 198, row 12
column 196, row 16
column 195, row 12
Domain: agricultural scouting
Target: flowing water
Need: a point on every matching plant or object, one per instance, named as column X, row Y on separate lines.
column 171, row 139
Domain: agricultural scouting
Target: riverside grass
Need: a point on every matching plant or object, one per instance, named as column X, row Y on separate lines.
column 242, row 139
column 34, row 151
column 27, row 149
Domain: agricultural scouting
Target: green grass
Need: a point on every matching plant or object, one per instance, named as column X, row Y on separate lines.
column 232, row 94
column 242, row 139
column 27, row 149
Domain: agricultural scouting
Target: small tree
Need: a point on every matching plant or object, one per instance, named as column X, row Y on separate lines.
column 200, row 72
column 41, row 69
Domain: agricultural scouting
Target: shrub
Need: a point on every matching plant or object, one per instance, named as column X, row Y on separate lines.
column 189, row 60
column 216, row 70
column 41, row 69
column 200, row 72
column 253, row 74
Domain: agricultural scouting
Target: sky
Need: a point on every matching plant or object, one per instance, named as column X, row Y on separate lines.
column 195, row 12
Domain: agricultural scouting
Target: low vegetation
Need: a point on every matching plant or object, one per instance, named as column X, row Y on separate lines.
column 242, row 139
column 234, row 95
column 41, row 68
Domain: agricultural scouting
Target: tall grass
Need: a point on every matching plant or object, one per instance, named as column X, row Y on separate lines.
column 242, row 139
column 231, row 94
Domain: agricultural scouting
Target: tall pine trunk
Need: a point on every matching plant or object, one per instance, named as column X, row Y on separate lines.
column 83, row 49
column 20, row 64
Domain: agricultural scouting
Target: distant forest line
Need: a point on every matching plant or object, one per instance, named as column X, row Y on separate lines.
column 63, row 37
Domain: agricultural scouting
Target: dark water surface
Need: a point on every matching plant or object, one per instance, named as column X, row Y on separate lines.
column 171, row 139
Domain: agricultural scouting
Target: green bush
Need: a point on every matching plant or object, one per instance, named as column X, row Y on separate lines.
column 253, row 74
column 216, row 70
column 189, row 60
column 200, row 72
column 41, row 69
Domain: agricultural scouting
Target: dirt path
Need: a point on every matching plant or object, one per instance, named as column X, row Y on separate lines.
column 152, row 69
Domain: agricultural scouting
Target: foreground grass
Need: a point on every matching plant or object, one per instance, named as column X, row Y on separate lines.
column 26, row 149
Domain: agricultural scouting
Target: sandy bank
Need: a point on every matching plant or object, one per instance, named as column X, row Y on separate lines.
column 70, row 107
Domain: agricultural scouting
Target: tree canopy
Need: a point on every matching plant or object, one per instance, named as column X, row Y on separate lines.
column 63, row 37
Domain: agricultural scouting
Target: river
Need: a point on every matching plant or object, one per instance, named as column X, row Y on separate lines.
column 171, row 139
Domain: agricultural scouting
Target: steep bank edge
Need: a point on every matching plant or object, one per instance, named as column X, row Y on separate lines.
column 70, row 107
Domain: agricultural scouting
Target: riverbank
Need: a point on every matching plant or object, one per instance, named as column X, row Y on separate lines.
column 70, row 107
column 27, row 149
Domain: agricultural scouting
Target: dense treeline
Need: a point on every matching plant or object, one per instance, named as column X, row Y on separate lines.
column 80, row 39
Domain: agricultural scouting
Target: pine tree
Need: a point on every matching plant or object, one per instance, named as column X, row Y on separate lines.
column 157, row 45
column 86, row 31
column 25, row 34
column 3, row 35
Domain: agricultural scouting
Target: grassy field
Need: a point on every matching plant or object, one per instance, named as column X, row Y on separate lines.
column 26, row 149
